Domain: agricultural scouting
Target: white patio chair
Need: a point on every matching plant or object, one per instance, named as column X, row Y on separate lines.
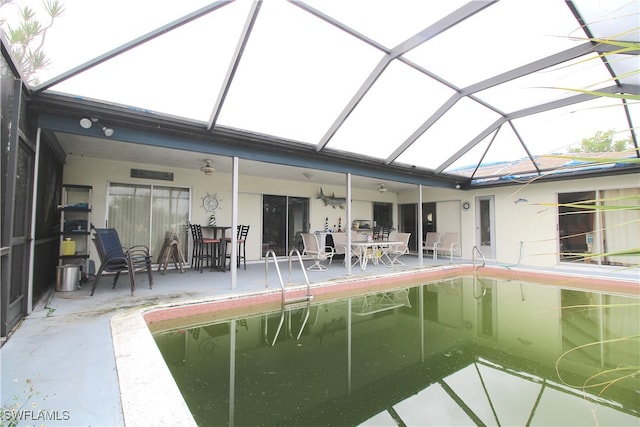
column 313, row 251
column 433, row 238
column 450, row 244
column 396, row 250
column 340, row 245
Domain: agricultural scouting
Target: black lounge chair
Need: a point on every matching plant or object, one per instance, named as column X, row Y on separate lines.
column 114, row 259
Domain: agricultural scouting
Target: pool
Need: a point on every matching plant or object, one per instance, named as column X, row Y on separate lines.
column 439, row 349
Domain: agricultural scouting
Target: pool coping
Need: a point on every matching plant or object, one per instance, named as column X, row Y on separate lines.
column 150, row 396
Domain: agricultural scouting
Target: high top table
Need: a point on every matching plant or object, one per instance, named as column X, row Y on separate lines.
column 219, row 232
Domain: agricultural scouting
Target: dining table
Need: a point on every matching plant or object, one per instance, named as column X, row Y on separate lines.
column 219, row 232
column 374, row 250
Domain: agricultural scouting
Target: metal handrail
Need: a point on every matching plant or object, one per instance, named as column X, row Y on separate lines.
column 477, row 279
column 305, row 299
column 266, row 268
column 473, row 257
column 304, row 271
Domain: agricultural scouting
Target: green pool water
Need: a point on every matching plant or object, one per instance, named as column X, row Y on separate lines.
column 461, row 352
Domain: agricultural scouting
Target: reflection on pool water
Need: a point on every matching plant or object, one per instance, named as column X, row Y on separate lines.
column 458, row 352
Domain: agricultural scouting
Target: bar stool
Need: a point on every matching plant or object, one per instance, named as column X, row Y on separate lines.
column 242, row 232
column 204, row 248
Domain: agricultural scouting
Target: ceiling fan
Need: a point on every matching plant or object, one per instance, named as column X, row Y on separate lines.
column 207, row 168
column 382, row 188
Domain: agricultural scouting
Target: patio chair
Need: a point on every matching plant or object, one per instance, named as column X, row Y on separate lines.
column 313, row 250
column 450, row 244
column 340, row 245
column 430, row 242
column 395, row 251
column 115, row 259
column 242, row 233
column 194, row 250
column 385, row 232
column 204, row 248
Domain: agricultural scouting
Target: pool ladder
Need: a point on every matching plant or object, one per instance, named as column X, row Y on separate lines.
column 288, row 304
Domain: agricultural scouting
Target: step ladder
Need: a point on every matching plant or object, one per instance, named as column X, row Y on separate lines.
column 288, row 304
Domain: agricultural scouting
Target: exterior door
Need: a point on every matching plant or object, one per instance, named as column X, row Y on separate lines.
column 14, row 299
column 382, row 214
column 283, row 219
column 408, row 223
column 485, row 226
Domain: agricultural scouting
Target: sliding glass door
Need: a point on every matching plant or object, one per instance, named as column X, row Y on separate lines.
column 283, row 219
column 599, row 227
column 142, row 214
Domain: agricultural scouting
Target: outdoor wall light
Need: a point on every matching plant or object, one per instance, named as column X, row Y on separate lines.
column 107, row 131
column 86, row 123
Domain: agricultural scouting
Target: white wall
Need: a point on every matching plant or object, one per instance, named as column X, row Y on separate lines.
column 526, row 232
column 99, row 172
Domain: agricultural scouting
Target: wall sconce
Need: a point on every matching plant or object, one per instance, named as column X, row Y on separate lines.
column 207, row 168
column 86, row 123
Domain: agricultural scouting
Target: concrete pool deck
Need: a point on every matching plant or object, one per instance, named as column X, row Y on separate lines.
column 68, row 348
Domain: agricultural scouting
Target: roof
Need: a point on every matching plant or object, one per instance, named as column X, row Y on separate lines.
column 439, row 87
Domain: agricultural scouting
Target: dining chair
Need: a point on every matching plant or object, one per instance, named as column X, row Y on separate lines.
column 313, row 250
column 340, row 245
column 395, row 251
column 431, row 242
column 449, row 244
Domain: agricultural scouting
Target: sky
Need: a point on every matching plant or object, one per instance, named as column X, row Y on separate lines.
column 298, row 72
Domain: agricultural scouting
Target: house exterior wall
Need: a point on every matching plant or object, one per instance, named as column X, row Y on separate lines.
column 526, row 232
column 99, row 172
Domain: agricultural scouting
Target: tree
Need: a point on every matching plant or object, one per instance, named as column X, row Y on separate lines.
column 602, row 142
column 28, row 37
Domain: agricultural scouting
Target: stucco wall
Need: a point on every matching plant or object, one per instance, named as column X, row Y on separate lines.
column 526, row 232
column 98, row 173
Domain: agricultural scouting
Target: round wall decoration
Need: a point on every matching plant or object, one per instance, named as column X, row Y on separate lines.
column 211, row 202
column 466, row 205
